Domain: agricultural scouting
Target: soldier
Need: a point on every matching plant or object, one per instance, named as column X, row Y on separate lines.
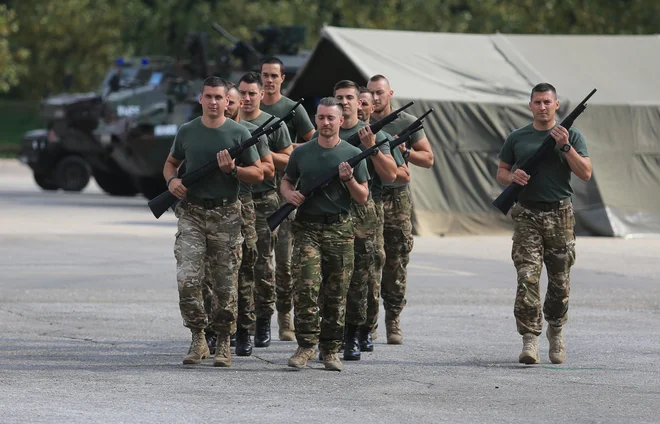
column 543, row 222
column 380, row 166
column 300, row 130
column 323, row 236
column 376, row 190
column 266, row 201
column 209, row 219
column 397, row 211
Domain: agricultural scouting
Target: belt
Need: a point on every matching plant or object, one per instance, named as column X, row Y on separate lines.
column 262, row 194
column 392, row 190
column 211, row 203
column 245, row 198
column 322, row 219
column 546, row 206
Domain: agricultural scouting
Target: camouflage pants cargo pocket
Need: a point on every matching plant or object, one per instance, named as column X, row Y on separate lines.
column 538, row 238
column 373, row 292
column 246, row 316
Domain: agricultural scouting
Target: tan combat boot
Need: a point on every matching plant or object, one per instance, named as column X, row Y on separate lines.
column 198, row 348
column 285, row 324
column 530, row 352
column 331, row 362
column 393, row 330
column 222, row 356
column 301, row 356
column 557, row 350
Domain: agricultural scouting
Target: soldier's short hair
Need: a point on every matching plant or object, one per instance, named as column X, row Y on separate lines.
column 346, row 84
column 216, row 82
column 272, row 60
column 251, row 78
column 365, row 90
column 542, row 88
column 330, row 102
column 379, row 77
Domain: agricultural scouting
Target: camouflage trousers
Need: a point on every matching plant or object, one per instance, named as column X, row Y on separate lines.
column 264, row 272
column 364, row 246
column 213, row 237
column 283, row 277
column 322, row 268
column 542, row 237
column 373, row 288
column 245, row 301
column 398, row 242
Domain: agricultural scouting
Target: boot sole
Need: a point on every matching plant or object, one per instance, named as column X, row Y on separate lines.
column 244, row 353
column 222, row 364
column 528, row 360
column 351, row 358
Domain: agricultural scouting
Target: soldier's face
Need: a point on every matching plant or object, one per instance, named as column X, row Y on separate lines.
column 234, row 104
column 271, row 78
column 366, row 107
column 382, row 94
column 543, row 106
column 348, row 99
column 251, row 95
column 214, row 101
column 328, row 120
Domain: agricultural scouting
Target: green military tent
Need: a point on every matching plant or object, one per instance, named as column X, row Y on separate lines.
column 479, row 87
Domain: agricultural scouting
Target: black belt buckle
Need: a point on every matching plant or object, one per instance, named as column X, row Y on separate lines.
column 332, row 219
column 209, row 203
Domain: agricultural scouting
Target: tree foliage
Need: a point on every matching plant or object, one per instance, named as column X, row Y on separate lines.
column 83, row 37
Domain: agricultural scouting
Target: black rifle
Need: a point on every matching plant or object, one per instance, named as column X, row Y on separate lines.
column 378, row 125
column 283, row 211
column 509, row 196
column 163, row 201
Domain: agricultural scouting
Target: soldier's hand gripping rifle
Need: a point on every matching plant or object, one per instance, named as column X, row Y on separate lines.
column 509, row 196
column 283, row 211
column 378, row 125
column 163, row 201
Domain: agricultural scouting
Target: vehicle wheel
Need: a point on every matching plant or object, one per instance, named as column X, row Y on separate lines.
column 151, row 187
column 72, row 173
column 44, row 182
column 115, row 184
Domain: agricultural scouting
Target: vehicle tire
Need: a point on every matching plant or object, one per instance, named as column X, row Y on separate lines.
column 151, row 187
column 115, row 184
column 44, row 182
column 72, row 173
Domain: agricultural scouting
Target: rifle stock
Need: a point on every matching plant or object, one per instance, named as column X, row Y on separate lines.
column 509, row 196
column 166, row 199
column 276, row 218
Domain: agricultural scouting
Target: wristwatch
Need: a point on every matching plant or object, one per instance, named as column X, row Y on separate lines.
column 375, row 152
column 565, row 148
column 233, row 172
column 169, row 180
column 406, row 154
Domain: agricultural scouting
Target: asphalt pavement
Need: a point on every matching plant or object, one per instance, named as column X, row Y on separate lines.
column 90, row 331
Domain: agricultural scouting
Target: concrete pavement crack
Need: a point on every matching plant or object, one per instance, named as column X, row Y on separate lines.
column 426, row 383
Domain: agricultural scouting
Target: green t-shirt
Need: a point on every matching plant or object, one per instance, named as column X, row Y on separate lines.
column 299, row 125
column 400, row 124
column 377, row 186
column 262, row 150
column 199, row 144
column 276, row 141
column 552, row 180
column 344, row 134
column 311, row 161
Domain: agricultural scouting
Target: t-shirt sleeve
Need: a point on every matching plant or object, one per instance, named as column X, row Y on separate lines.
column 507, row 154
column 291, row 169
column 177, row 150
column 576, row 139
column 249, row 155
column 360, row 172
column 262, row 146
column 301, row 121
column 384, row 148
column 280, row 139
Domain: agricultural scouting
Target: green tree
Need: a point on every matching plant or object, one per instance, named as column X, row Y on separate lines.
column 12, row 58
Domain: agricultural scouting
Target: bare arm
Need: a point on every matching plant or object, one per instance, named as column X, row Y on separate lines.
column 506, row 177
column 384, row 164
column 268, row 166
column 421, row 154
column 402, row 174
column 306, row 137
column 289, row 192
column 358, row 191
column 170, row 170
column 251, row 174
column 581, row 166
column 281, row 157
